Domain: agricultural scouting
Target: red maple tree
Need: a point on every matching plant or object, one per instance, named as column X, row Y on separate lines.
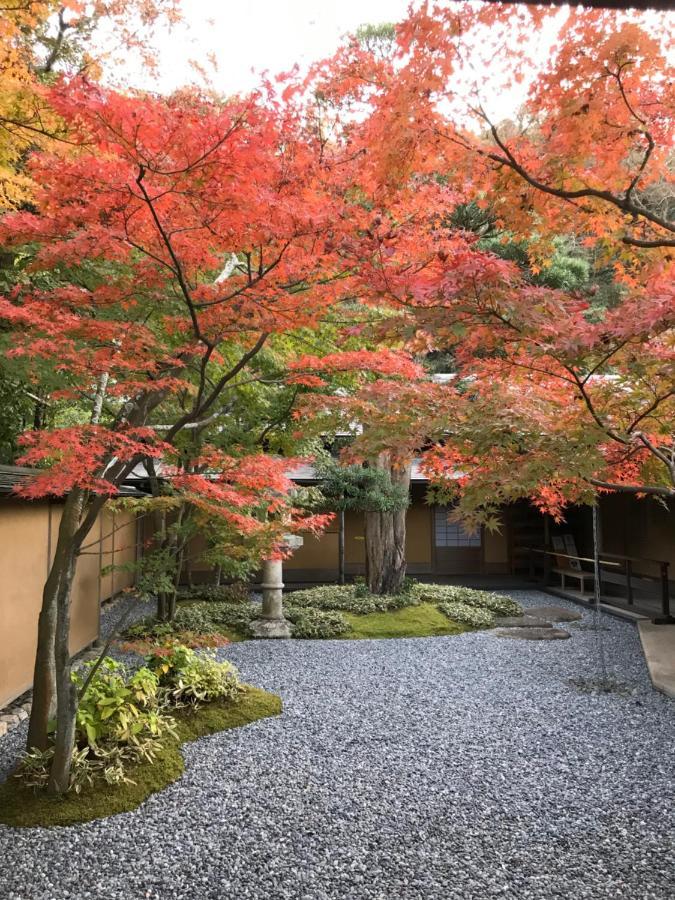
column 185, row 232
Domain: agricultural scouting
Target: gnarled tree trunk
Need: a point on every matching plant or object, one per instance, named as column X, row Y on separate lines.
column 385, row 537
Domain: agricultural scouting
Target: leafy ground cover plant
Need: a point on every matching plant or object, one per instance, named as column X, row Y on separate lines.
column 333, row 611
column 316, row 623
column 498, row 604
column 124, row 719
column 233, row 620
column 466, row 614
column 121, row 720
column 355, row 598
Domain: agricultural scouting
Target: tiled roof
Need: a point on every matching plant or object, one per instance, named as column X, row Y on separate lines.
column 307, row 473
column 12, row 477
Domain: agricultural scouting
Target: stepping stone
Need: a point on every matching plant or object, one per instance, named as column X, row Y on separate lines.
column 522, row 622
column 532, row 634
column 555, row 614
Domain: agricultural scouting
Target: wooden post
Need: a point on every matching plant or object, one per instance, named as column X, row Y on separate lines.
column 665, row 618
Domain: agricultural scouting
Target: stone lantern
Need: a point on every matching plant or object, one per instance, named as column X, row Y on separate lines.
column 272, row 623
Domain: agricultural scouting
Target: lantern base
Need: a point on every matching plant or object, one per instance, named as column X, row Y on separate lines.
column 271, row 628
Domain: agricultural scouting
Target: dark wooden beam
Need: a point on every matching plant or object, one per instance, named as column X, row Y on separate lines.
column 665, row 5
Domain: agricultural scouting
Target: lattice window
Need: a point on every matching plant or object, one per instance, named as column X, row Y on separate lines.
column 451, row 534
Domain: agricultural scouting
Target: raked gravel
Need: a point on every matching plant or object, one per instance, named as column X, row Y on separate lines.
column 456, row 768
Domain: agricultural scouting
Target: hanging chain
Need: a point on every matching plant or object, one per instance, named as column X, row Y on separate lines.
column 596, row 606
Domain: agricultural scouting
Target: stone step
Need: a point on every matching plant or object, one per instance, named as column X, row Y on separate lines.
column 532, row 634
column 522, row 622
column 555, row 613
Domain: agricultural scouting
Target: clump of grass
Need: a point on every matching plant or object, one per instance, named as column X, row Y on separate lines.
column 22, row 807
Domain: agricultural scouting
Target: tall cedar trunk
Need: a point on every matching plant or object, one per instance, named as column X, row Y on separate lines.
column 385, row 538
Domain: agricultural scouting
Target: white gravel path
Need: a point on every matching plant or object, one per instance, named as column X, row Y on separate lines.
column 457, row 768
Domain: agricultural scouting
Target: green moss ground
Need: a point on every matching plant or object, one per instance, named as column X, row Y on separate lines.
column 424, row 620
column 22, row 807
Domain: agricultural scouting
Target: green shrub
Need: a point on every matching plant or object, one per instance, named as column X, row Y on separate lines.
column 206, row 617
column 186, row 678
column 120, row 709
column 361, row 588
column 467, row 615
column 238, row 592
column 316, row 623
column 120, row 722
column 149, row 629
column 442, row 593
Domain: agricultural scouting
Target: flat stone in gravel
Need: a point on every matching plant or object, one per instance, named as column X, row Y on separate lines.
column 522, row 622
column 547, row 633
column 450, row 768
column 556, row 613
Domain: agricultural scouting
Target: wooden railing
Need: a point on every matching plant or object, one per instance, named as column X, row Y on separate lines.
column 626, row 565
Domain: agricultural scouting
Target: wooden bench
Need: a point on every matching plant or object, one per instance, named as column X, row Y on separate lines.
column 569, row 562
column 579, row 574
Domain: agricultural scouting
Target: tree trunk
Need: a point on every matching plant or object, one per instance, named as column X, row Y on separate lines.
column 385, row 539
column 43, row 708
column 55, row 605
column 177, row 543
column 162, row 607
column 67, row 549
column 341, row 547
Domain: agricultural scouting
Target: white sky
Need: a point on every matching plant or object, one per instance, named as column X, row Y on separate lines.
column 263, row 35
column 248, row 37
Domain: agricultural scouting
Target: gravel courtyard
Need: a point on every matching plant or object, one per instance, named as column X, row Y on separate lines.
column 460, row 768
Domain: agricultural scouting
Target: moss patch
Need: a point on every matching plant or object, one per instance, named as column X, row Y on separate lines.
column 22, row 807
column 424, row 620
